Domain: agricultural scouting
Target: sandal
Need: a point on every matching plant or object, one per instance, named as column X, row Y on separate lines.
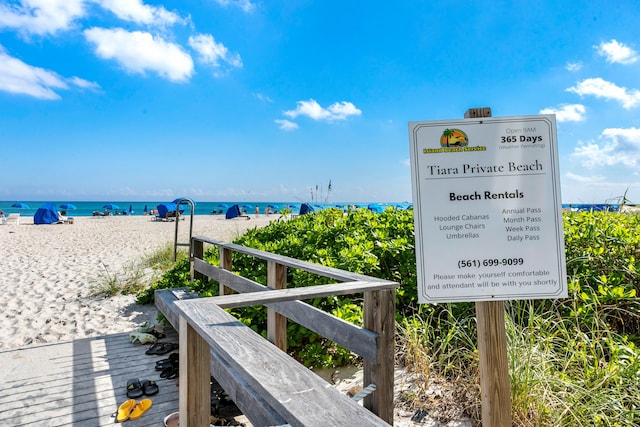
column 142, row 338
column 162, row 348
column 170, row 372
column 149, row 388
column 124, row 410
column 140, row 408
column 170, row 361
column 134, row 388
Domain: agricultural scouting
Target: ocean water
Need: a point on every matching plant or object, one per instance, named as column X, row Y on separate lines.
column 211, row 208
column 201, row 208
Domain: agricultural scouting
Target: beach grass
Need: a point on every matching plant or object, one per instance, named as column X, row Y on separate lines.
column 136, row 276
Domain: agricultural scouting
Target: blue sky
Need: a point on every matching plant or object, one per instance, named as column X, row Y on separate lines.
column 248, row 100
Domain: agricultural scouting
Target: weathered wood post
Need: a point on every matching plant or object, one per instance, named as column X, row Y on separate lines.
column 226, row 262
column 379, row 316
column 495, row 385
column 276, row 322
column 197, row 251
column 195, row 386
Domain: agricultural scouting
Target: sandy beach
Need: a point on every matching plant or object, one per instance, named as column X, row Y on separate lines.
column 48, row 272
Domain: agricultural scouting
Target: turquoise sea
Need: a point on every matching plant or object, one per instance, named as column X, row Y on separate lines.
column 209, row 208
column 201, row 208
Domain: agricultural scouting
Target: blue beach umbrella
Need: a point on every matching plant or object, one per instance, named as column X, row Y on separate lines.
column 223, row 205
column 20, row 205
column 184, row 201
column 67, row 206
column 111, row 206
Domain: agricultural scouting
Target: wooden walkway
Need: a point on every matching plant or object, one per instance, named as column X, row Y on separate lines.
column 80, row 382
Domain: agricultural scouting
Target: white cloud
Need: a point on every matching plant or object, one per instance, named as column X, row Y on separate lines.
column 567, row 112
column 618, row 147
column 41, row 16
column 603, row 89
column 584, row 179
column 286, row 124
column 337, row 111
column 20, row 78
column 262, row 97
column 212, row 53
column 136, row 11
column 139, row 52
column 573, row 66
column 245, row 5
column 614, row 52
column 84, row 84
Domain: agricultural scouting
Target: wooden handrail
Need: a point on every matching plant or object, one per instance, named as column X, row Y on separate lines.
column 374, row 343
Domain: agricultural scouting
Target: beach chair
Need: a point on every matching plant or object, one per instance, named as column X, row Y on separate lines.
column 13, row 218
column 168, row 212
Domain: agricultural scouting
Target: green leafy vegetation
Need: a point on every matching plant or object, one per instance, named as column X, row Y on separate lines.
column 573, row 361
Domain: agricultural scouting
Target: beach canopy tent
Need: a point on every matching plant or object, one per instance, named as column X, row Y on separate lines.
column 305, row 208
column 166, row 210
column 46, row 214
column 375, row 207
column 233, row 212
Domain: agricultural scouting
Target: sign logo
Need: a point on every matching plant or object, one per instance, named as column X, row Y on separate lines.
column 454, row 138
column 453, row 141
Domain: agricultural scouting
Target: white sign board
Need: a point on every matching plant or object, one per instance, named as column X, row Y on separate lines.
column 488, row 212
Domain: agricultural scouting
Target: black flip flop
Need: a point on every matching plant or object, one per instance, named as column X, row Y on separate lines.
column 153, row 348
column 166, row 347
column 149, row 388
column 134, row 388
column 174, row 374
column 161, row 348
column 173, row 357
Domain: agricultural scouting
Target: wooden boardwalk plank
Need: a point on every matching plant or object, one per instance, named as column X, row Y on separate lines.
column 80, row 383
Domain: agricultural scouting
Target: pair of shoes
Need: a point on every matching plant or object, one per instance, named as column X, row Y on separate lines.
column 165, row 363
column 142, row 338
column 137, row 389
column 170, row 372
column 130, row 410
column 151, row 329
column 161, row 348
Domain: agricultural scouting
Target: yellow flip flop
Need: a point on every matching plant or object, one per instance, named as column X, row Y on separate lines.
column 140, row 408
column 124, row 410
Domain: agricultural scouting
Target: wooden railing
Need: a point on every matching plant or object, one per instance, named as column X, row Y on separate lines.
column 374, row 342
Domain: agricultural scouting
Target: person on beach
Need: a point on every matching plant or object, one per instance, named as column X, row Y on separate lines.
column 257, row 211
column 61, row 217
column 2, row 218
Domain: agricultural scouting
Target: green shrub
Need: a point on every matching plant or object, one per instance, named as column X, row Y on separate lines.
column 573, row 361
